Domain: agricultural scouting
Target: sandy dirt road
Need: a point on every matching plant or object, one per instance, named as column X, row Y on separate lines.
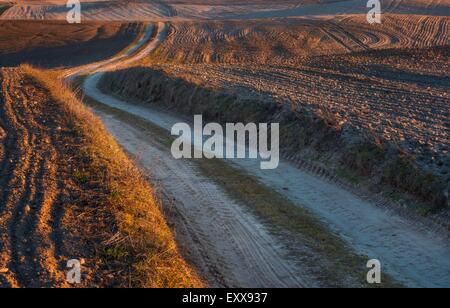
column 413, row 256
column 229, row 245
column 234, row 247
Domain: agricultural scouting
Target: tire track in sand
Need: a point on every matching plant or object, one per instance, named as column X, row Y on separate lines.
column 236, row 249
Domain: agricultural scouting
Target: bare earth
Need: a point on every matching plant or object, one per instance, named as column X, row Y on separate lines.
column 40, row 201
column 57, row 43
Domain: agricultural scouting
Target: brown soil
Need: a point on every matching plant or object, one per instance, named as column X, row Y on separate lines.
column 293, row 41
column 63, row 198
column 57, row 43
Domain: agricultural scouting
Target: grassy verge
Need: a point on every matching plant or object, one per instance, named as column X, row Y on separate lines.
column 144, row 242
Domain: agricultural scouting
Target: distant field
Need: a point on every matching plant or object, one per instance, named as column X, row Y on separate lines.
column 397, row 71
column 287, row 41
column 57, row 43
column 151, row 10
column 389, row 82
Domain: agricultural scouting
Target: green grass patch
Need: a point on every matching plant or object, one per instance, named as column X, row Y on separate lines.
column 116, row 253
column 404, row 175
column 81, row 176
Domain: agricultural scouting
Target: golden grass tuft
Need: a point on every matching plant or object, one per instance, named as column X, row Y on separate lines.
column 144, row 241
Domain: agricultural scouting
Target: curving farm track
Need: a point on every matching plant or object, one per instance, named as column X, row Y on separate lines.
column 249, row 256
column 229, row 246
